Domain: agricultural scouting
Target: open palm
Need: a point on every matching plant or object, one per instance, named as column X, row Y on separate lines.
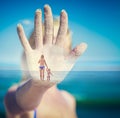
column 53, row 48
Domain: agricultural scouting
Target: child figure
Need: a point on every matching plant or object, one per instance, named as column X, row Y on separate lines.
column 48, row 74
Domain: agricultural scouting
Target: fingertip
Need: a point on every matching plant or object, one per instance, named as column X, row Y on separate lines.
column 38, row 11
column 63, row 11
column 19, row 25
column 83, row 44
column 81, row 48
column 46, row 6
column 63, row 14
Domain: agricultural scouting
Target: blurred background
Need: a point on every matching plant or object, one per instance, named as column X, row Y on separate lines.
column 95, row 79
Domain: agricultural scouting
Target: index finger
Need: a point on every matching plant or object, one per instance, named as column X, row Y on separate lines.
column 23, row 38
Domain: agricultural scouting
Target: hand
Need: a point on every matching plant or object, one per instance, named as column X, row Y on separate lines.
column 52, row 47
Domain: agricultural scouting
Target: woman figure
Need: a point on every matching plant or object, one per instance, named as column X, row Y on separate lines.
column 42, row 63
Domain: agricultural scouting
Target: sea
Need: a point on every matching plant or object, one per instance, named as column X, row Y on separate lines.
column 97, row 93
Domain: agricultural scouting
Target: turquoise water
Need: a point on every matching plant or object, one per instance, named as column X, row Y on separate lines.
column 97, row 93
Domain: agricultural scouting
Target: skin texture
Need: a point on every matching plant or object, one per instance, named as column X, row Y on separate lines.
column 33, row 93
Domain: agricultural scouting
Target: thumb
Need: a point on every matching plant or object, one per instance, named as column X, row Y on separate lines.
column 77, row 51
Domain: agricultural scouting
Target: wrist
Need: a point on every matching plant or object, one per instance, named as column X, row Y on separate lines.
column 28, row 95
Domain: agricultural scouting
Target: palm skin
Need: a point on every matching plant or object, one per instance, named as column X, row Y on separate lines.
column 58, row 60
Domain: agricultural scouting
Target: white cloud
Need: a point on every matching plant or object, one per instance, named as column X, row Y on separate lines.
column 26, row 22
column 28, row 26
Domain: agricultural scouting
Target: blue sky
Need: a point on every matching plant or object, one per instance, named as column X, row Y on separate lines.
column 96, row 22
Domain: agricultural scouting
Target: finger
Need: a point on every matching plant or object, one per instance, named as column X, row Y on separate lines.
column 67, row 43
column 38, row 29
column 77, row 51
column 62, row 29
column 48, row 24
column 23, row 38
